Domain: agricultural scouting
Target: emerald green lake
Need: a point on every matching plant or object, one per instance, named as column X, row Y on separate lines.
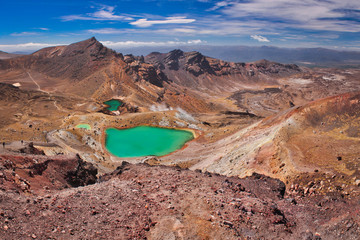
column 113, row 104
column 145, row 141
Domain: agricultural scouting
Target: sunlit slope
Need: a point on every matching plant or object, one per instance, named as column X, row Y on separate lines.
column 322, row 136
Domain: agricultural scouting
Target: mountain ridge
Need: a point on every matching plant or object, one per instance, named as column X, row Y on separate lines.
column 322, row 57
column 194, row 70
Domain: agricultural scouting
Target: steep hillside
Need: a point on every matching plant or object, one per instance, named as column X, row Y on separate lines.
column 75, row 61
column 317, row 141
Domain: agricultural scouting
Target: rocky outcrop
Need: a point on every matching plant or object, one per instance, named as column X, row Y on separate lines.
column 30, row 149
column 37, row 173
column 197, row 64
column 267, row 67
column 172, row 59
column 9, row 92
column 84, row 174
column 140, row 70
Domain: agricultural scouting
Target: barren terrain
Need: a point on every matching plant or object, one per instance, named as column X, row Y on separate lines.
column 298, row 127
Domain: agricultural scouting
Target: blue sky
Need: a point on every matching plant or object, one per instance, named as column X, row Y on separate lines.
column 31, row 25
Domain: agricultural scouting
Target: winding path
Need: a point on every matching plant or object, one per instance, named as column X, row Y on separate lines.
column 38, row 86
column 39, row 89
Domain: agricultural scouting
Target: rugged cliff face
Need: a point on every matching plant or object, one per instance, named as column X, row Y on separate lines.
column 193, row 70
column 140, row 70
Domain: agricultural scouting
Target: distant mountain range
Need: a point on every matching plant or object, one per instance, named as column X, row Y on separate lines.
column 5, row 55
column 311, row 57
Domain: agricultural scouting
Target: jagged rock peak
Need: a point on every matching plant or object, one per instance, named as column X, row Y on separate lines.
column 90, row 47
column 92, row 39
column 129, row 58
column 194, row 57
column 175, row 54
column 172, row 59
column 194, row 53
column 176, row 51
column 90, row 43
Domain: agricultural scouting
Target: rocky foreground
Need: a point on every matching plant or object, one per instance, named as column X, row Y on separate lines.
column 39, row 199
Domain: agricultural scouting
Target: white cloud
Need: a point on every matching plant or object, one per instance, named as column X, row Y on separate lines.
column 220, row 5
column 117, row 31
column 198, row 41
column 325, row 36
column 183, row 30
column 176, row 31
column 106, row 31
column 143, row 22
column 260, row 38
column 105, row 13
column 128, row 44
column 329, row 15
column 22, row 34
column 25, row 47
column 215, row 26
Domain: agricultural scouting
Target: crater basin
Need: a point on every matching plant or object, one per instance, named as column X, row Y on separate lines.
column 113, row 104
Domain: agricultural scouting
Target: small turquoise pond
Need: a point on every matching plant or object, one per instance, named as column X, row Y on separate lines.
column 113, row 104
column 145, row 141
column 84, row 126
